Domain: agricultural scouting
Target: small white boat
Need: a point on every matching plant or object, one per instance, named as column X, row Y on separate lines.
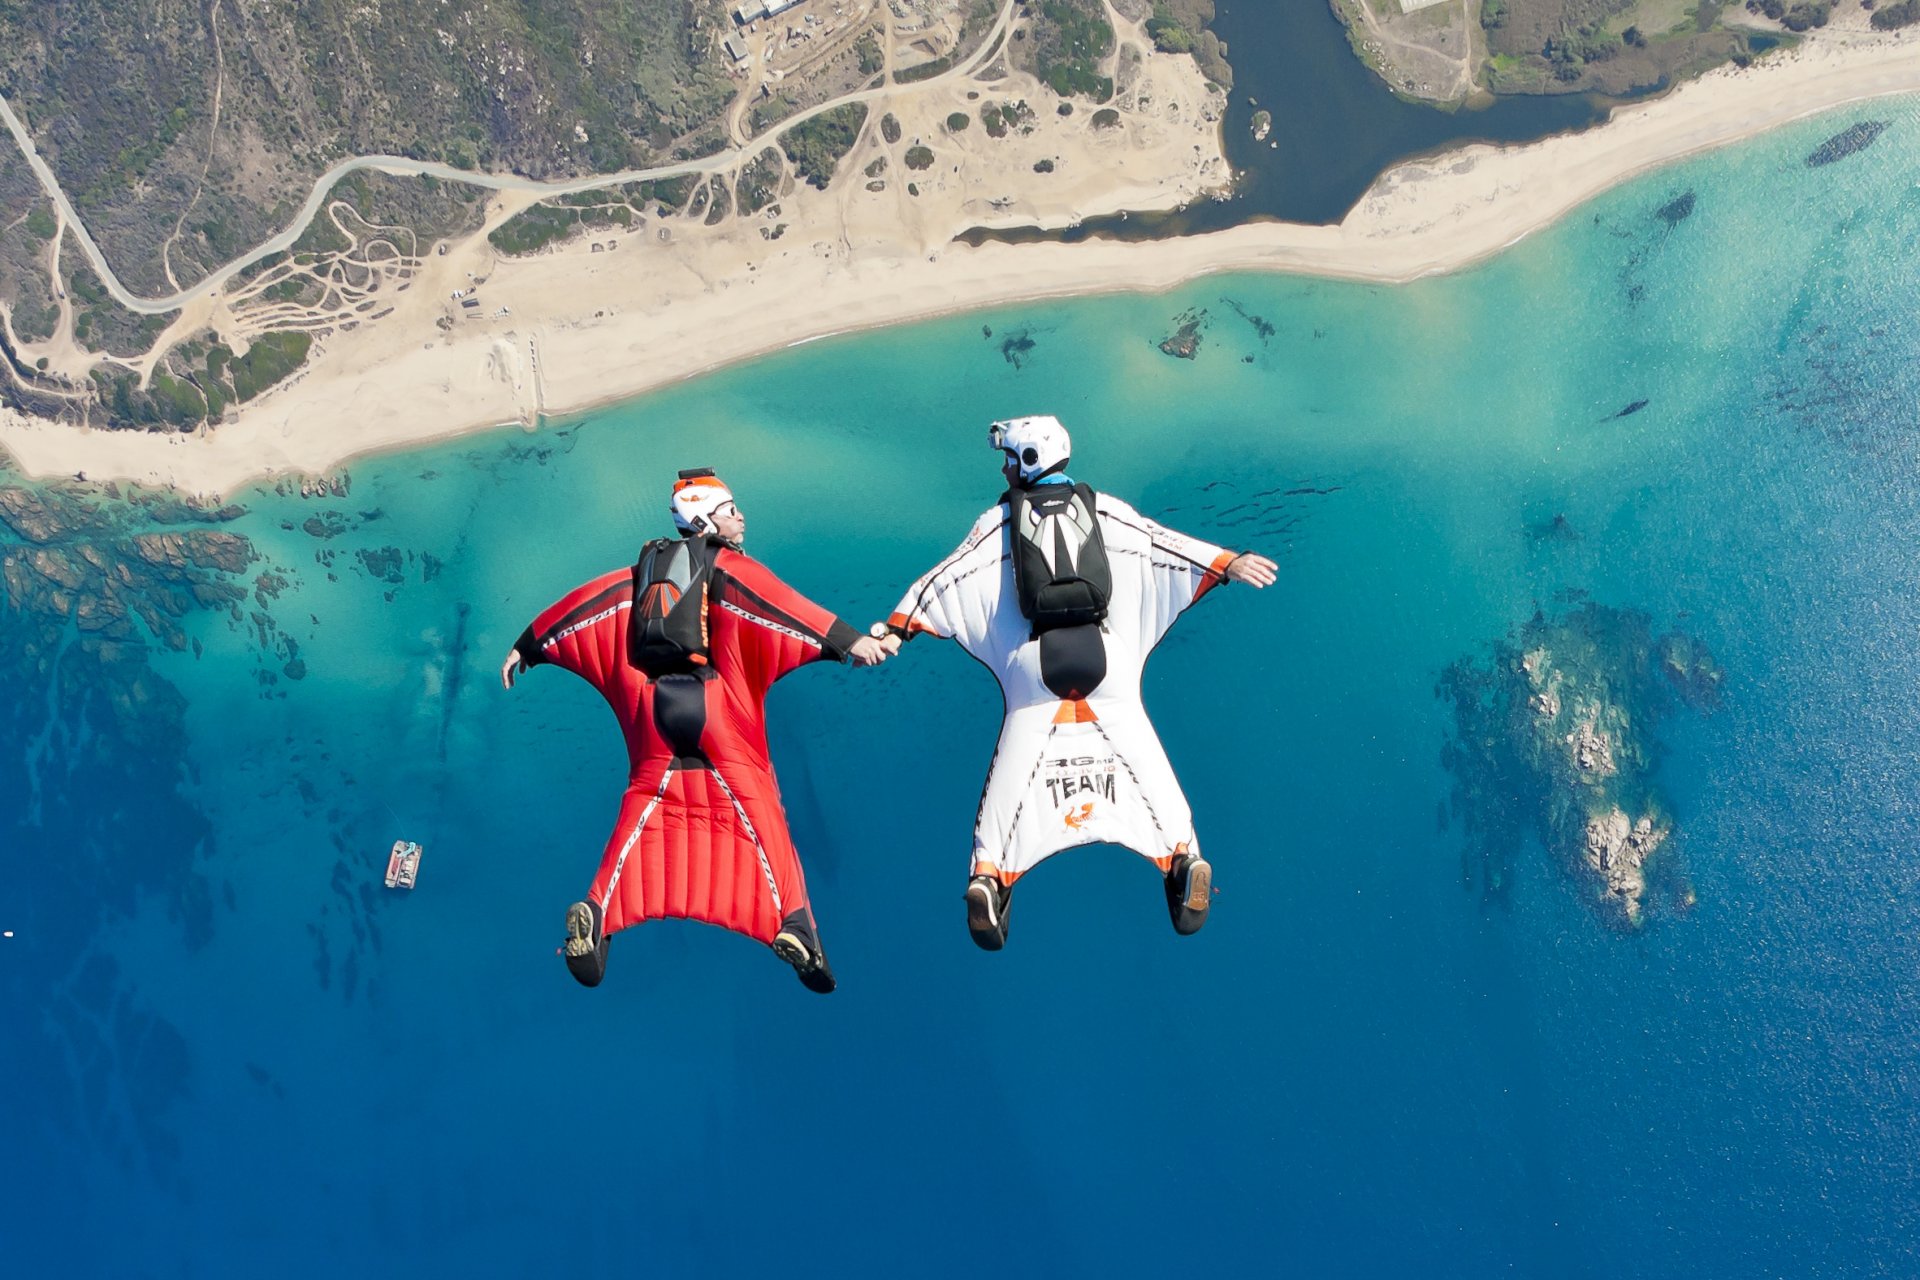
column 403, row 864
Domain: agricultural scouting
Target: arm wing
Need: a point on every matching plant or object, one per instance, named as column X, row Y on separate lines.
column 778, row 629
column 585, row 631
column 957, row 598
column 1179, row 569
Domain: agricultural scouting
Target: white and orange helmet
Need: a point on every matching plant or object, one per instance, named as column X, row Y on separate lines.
column 698, row 496
column 1037, row 445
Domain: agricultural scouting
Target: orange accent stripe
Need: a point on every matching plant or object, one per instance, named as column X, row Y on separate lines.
column 1004, row 877
column 1074, row 711
column 901, row 622
column 1221, row 561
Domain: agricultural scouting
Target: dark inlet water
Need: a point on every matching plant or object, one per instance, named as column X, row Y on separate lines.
column 1337, row 125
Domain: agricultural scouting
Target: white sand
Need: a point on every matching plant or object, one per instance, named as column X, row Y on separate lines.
column 590, row 328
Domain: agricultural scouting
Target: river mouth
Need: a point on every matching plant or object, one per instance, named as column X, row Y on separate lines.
column 1336, row 127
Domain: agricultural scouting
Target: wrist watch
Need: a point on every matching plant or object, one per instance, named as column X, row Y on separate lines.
column 879, row 631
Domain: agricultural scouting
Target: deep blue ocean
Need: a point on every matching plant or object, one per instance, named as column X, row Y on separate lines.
column 229, row 1051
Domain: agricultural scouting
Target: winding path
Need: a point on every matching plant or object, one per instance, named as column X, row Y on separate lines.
column 719, row 162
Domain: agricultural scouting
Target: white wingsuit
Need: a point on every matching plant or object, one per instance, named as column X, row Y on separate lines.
column 1069, row 772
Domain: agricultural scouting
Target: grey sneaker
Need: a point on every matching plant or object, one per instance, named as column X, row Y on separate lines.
column 1189, row 892
column 989, row 905
column 586, row 945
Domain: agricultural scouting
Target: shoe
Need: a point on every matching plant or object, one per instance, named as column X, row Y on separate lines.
column 586, row 945
column 1189, row 892
column 798, row 946
column 989, row 911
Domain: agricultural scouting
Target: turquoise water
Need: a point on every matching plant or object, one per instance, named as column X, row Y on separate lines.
column 260, row 1060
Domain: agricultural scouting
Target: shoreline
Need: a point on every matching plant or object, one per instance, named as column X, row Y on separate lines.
column 671, row 314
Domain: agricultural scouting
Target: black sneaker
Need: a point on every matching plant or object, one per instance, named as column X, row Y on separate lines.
column 797, row 944
column 586, row 945
column 1189, row 892
column 989, row 911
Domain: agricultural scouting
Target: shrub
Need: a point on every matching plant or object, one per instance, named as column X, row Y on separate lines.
column 919, row 157
column 958, row 122
column 816, row 146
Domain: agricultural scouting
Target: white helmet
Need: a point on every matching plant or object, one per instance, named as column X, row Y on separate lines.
column 1038, row 444
column 697, row 497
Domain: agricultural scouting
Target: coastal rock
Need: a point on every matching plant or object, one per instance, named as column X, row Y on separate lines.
column 1617, row 850
column 1554, row 741
column 202, row 549
column 1184, row 342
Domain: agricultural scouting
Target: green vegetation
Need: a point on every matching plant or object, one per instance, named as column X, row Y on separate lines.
column 1180, row 26
column 925, row 71
column 1797, row 17
column 669, row 193
column 1609, row 46
column 1070, row 39
column 1001, row 117
column 1043, row 166
column 539, row 87
column 868, row 49
column 1106, row 118
column 767, row 113
column 41, row 224
column 201, row 383
column 958, row 122
column 1895, row 16
column 889, row 128
column 760, row 181
column 919, row 158
column 555, row 220
column 816, row 145
column 271, row 357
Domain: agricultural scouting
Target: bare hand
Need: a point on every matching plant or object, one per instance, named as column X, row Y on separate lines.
column 1253, row 569
column 511, row 668
column 868, row 652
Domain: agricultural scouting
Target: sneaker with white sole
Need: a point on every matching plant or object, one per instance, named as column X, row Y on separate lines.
column 1189, row 892
column 797, row 944
column 586, row 944
column 989, row 906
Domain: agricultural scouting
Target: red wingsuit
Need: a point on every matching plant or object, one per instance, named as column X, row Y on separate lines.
column 702, row 834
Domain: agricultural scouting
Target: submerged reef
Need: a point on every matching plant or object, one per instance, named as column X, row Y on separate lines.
column 1184, row 342
column 95, row 815
column 1849, row 140
column 1555, row 737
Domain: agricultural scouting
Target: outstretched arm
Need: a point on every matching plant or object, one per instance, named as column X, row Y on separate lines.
column 1180, row 568
column 780, row 629
column 957, row 596
column 583, row 631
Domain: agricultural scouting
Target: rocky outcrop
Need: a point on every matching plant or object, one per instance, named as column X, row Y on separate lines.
column 1554, row 741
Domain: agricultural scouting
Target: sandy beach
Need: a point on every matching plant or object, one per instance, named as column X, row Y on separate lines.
column 596, row 321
